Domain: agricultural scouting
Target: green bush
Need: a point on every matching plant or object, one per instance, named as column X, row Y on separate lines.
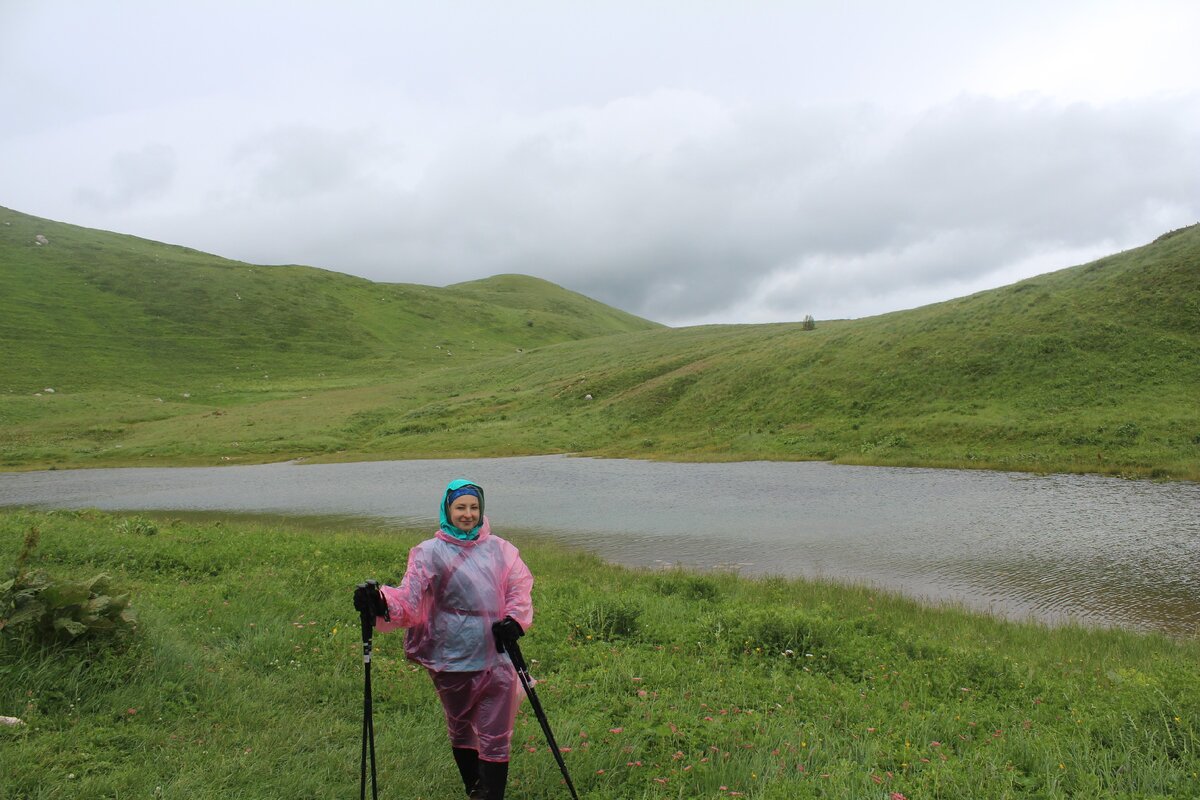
column 37, row 609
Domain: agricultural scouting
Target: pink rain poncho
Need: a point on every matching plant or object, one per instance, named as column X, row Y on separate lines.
column 453, row 590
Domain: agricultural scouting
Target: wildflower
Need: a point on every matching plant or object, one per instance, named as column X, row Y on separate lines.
column 616, row 730
column 897, row 796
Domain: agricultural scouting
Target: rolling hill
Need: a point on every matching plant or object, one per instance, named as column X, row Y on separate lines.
column 90, row 309
column 1088, row 369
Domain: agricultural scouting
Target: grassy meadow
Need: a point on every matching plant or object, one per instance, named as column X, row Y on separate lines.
column 244, row 680
column 160, row 355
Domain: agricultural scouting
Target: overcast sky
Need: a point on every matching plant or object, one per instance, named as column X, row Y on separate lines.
column 689, row 162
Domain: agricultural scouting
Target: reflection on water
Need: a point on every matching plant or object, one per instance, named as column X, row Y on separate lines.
column 1094, row 550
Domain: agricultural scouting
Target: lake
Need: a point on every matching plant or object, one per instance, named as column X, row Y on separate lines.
column 1057, row 548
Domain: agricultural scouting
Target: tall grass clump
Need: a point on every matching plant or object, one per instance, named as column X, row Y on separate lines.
column 245, row 680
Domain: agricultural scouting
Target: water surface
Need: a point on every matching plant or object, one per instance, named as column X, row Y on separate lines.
column 1055, row 548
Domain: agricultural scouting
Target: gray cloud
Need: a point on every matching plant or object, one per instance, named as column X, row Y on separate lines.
column 841, row 203
column 134, row 177
column 730, row 164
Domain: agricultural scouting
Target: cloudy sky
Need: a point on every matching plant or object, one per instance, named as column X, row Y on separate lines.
column 690, row 162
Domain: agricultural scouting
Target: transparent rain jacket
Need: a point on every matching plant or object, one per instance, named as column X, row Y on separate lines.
column 452, row 592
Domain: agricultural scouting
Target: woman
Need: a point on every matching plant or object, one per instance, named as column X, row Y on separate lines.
column 464, row 592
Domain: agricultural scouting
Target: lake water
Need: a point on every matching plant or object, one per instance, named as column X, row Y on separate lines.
column 1055, row 548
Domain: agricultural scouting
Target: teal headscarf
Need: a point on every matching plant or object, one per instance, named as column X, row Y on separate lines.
column 452, row 491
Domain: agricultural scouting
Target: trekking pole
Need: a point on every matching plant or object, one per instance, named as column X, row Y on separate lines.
column 514, row 652
column 368, row 629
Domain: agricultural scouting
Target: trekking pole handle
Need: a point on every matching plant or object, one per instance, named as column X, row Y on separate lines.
column 367, row 618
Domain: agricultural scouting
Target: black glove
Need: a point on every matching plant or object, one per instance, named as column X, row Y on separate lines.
column 506, row 630
column 369, row 600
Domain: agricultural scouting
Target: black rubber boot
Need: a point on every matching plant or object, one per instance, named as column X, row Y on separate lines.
column 494, row 779
column 468, row 768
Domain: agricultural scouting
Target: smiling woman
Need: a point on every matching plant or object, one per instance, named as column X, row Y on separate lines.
column 465, row 593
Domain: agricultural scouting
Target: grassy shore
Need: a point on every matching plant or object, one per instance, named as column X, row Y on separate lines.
column 244, row 680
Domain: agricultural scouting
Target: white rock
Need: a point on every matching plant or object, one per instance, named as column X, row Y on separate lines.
column 587, row 397
column 48, row 391
column 11, row 722
column 40, row 239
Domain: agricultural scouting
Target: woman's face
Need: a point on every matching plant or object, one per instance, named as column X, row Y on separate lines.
column 464, row 512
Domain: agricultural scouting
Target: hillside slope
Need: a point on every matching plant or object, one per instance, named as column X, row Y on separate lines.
column 1088, row 369
column 91, row 309
column 1092, row 368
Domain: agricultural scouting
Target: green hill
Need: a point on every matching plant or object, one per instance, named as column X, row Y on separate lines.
column 1089, row 369
column 91, row 309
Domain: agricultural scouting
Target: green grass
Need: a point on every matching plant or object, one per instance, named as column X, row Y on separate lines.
column 245, row 680
column 155, row 360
